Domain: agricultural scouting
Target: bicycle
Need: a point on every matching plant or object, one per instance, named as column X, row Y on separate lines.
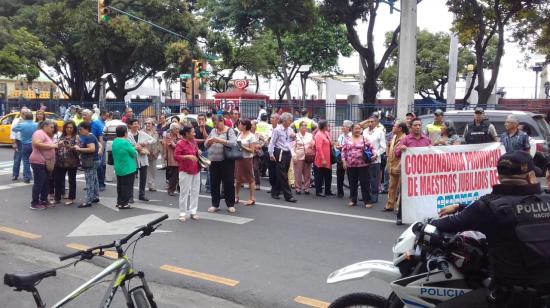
column 122, row 270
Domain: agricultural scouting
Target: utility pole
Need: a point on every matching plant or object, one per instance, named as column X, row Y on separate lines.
column 407, row 57
column 453, row 63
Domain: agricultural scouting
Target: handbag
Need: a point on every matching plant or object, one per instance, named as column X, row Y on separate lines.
column 309, row 152
column 367, row 153
column 87, row 161
column 203, row 161
column 232, row 152
column 333, row 156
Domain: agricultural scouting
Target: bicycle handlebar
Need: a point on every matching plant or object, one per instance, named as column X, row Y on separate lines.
column 88, row 253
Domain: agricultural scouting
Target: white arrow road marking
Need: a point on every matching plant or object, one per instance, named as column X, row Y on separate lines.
column 173, row 213
column 94, row 226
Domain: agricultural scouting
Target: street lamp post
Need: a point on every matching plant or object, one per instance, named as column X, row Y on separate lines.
column 537, row 69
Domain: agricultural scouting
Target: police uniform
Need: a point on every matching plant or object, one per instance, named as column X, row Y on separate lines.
column 516, row 221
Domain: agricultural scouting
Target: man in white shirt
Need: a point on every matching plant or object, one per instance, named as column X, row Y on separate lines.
column 377, row 138
column 261, row 112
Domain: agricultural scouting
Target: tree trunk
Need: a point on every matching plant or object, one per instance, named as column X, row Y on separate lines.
column 286, row 80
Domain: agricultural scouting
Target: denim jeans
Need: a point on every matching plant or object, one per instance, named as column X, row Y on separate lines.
column 92, row 185
column 374, row 182
column 101, row 168
column 40, row 185
column 27, row 150
column 17, row 156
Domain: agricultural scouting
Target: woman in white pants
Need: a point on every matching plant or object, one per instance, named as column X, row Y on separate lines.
column 154, row 150
column 185, row 154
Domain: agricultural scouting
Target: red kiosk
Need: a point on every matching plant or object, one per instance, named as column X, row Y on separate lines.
column 247, row 102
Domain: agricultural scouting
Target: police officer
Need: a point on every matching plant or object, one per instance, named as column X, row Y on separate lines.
column 481, row 130
column 311, row 125
column 515, row 218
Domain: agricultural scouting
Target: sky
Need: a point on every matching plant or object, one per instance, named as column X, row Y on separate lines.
column 434, row 16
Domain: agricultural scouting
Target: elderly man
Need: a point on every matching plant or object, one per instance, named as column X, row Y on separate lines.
column 26, row 129
column 271, row 166
column 279, row 152
column 513, row 139
column 377, row 138
column 140, row 140
column 15, row 138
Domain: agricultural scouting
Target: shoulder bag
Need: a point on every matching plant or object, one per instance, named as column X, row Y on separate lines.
column 232, row 152
column 367, row 152
column 309, row 152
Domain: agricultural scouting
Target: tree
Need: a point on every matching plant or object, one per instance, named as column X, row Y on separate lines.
column 532, row 31
column 432, row 64
column 477, row 23
column 20, row 51
column 131, row 50
column 347, row 13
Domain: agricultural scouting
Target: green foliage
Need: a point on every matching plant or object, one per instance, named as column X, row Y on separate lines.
column 432, row 64
column 20, row 51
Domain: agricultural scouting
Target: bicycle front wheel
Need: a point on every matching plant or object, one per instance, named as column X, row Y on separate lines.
column 140, row 299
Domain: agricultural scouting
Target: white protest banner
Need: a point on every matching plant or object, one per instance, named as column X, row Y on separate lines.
column 434, row 177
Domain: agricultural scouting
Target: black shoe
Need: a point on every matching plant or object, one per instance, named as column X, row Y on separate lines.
column 306, row 192
column 341, row 195
column 131, row 201
column 292, row 200
column 144, row 198
column 386, row 210
column 399, row 222
column 27, row 181
column 96, row 200
column 298, row 192
column 320, row 195
column 83, row 205
column 14, row 178
column 329, row 194
column 275, row 197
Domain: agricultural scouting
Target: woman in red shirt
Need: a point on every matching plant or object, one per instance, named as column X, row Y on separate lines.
column 323, row 146
column 185, row 154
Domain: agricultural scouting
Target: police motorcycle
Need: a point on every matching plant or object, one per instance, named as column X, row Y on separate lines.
column 428, row 268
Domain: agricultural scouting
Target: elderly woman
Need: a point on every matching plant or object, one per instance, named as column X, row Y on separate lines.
column 154, row 150
column 448, row 135
column 186, row 154
column 340, row 171
column 170, row 142
column 221, row 170
column 355, row 164
column 124, row 157
column 302, row 167
column 323, row 147
column 41, row 158
column 244, row 171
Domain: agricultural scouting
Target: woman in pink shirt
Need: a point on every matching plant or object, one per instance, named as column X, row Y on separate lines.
column 323, row 146
column 186, row 154
column 43, row 152
column 302, row 168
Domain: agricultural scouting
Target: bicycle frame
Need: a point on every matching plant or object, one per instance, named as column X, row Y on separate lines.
column 121, row 269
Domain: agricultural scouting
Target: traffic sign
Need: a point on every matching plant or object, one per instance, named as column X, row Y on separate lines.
column 185, row 76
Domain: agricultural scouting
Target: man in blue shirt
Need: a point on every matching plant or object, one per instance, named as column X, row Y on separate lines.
column 26, row 128
column 513, row 139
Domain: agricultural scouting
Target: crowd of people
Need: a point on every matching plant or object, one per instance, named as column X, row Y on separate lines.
column 296, row 154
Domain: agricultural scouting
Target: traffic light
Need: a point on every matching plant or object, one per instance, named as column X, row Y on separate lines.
column 200, row 68
column 103, row 11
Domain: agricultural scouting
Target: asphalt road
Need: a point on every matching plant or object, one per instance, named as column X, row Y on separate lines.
column 274, row 254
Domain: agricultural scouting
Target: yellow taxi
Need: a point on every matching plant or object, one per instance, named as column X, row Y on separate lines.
column 5, row 124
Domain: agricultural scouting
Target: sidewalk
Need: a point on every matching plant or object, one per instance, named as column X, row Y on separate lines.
column 19, row 258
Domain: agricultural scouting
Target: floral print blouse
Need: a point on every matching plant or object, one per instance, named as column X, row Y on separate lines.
column 352, row 152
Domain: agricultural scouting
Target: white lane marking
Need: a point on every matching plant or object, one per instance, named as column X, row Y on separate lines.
column 291, row 208
column 173, row 213
column 94, row 226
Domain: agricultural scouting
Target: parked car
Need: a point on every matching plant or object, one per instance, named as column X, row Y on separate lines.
column 5, row 124
column 540, row 130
